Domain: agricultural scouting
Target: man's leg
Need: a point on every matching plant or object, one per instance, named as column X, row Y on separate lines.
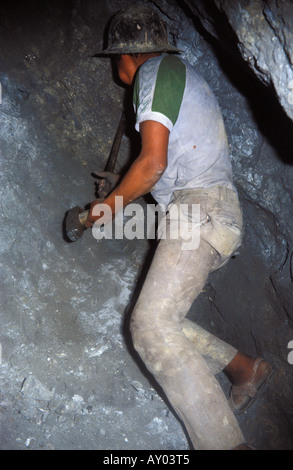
column 247, row 374
column 174, row 280
column 216, row 352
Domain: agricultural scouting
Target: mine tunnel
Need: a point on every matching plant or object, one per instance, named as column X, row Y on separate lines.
column 70, row 378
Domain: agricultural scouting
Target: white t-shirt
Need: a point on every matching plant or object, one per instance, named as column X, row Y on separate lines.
column 168, row 90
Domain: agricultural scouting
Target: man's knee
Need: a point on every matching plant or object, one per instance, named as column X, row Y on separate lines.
column 147, row 332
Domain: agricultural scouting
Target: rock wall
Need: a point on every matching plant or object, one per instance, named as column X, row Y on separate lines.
column 69, row 379
column 262, row 30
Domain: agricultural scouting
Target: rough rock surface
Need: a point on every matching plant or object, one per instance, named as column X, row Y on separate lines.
column 69, row 377
column 262, row 30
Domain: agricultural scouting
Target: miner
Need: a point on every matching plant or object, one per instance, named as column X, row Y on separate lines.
column 184, row 161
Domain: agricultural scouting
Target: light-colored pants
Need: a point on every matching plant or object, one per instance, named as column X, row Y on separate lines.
column 182, row 356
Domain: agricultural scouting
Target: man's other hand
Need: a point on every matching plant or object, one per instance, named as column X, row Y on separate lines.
column 107, row 182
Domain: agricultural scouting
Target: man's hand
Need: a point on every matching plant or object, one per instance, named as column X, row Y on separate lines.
column 108, row 181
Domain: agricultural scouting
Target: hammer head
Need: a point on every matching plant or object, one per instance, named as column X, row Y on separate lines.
column 74, row 228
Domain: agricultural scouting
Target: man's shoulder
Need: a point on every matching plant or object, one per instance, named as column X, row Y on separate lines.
column 160, row 87
column 166, row 61
column 167, row 69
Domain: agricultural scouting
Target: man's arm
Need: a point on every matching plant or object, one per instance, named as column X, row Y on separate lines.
column 145, row 171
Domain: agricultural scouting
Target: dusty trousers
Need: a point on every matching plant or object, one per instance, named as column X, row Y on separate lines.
column 164, row 339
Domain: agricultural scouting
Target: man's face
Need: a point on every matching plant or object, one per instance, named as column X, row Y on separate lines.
column 127, row 65
column 124, row 68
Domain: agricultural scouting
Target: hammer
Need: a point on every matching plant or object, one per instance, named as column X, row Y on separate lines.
column 76, row 217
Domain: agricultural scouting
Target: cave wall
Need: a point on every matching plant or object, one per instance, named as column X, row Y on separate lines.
column 68, row 378
column 262, row 31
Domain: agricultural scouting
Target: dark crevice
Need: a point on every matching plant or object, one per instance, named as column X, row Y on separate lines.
column 270, row 117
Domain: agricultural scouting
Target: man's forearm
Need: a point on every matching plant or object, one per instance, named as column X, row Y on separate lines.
column 138, row 181
column 145, row 171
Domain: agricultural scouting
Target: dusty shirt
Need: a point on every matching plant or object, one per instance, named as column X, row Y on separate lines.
column 168, row 90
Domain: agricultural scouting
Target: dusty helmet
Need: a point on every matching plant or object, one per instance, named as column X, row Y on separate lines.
column 137, row 29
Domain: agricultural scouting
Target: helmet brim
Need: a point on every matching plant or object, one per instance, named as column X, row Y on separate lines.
column 137, row 49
